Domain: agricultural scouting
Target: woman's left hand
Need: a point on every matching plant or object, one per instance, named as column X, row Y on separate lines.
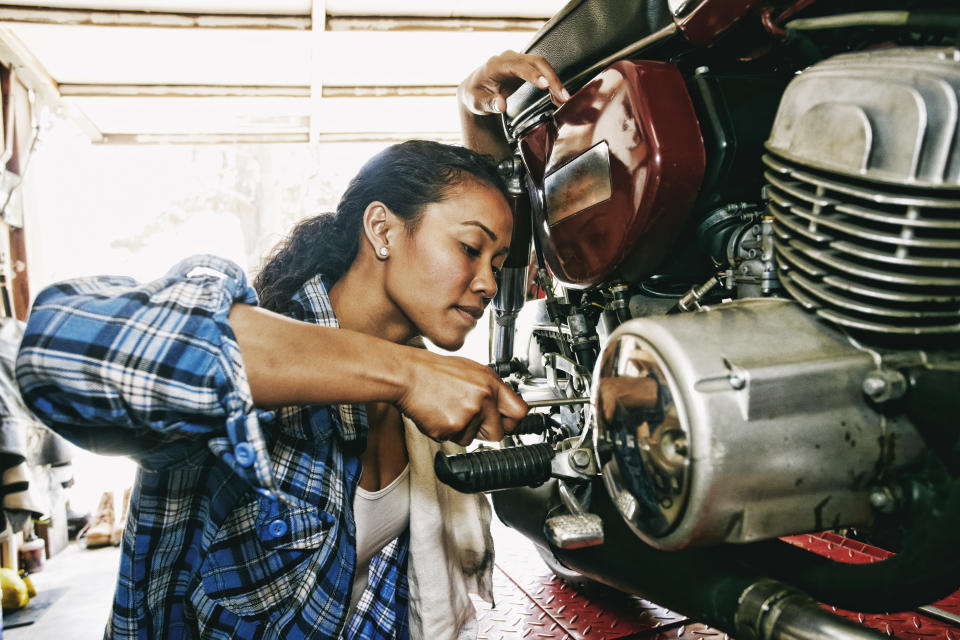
column 486, row 90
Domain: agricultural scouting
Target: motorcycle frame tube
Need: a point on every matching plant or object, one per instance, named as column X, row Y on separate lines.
column 512, row 279
column 710, row 19
column 511, row 282
column 514, row 127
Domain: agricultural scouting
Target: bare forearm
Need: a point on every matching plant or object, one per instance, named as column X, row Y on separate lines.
column 290, row 362
column 483, row 133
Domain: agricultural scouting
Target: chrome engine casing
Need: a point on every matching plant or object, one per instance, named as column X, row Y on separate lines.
column 741, row 422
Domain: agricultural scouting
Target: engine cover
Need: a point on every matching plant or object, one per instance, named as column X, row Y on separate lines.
column 888, row 115
column 863, row 176
column 741, row 422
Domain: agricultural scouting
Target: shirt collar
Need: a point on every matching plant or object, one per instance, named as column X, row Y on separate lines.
column 311, row 303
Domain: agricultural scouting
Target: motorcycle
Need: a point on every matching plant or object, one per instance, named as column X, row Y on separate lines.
column 742, row 314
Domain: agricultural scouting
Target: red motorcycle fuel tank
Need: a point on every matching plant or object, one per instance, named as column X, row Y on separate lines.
column 614, row 173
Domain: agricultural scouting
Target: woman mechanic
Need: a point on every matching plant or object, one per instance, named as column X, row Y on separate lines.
column 321, row 518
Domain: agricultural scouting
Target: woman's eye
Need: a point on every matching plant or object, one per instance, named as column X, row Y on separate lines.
column 473, row 252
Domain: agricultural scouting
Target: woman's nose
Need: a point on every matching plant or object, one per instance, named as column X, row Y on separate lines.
column 485, row 282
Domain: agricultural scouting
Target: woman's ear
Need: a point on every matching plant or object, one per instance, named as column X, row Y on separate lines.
column 378, row 223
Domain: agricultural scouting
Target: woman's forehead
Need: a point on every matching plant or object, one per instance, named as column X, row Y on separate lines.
column 474, row 205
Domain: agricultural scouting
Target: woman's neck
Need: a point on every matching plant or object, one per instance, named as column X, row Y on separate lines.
column 360, row 305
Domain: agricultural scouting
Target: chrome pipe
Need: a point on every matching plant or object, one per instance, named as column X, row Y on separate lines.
column 772, row 610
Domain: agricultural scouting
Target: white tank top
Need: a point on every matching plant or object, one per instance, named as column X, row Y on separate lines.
column 380, row 517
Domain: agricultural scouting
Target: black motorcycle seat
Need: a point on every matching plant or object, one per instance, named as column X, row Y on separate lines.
column 585, row 31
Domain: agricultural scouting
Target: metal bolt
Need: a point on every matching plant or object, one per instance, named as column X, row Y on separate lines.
column 882, row 385
column 580, row 458
column 883, row 499
column 737, row 380
column 874, row 386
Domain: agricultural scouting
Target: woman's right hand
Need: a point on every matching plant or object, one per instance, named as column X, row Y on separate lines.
column 451, row 398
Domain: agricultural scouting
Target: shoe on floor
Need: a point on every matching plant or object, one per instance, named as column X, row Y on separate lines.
column 99, row 532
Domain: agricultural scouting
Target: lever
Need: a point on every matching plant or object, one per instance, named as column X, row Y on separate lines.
column 493, row 469
column 556, row 402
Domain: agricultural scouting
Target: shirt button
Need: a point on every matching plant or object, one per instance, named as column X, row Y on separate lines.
column 277, row 528
column 244, row 454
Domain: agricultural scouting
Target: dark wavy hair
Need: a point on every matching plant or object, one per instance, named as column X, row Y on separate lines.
column 406, row 177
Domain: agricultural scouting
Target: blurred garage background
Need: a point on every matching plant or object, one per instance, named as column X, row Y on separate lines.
column 135, row 133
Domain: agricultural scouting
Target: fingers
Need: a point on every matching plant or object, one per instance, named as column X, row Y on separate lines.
column 469, row 434
column 548, row 79
column 510, row 404
column 499, row 416
column 538, row 72
column 491, row 429
column 486, row 90
column 460, row 400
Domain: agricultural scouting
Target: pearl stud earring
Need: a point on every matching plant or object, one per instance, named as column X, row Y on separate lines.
column 383, row 252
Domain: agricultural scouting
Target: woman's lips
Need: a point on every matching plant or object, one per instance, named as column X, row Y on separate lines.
column 472, row 313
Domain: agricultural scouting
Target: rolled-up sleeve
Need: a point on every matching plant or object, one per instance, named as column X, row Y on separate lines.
column 151, row 370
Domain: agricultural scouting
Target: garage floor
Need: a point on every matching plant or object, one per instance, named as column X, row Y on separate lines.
column 531, row 602
column 80, row 583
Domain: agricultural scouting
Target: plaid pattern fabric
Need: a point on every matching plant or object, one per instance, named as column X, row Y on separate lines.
column 235, row 531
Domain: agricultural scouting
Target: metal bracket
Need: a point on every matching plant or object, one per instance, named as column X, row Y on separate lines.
column 575, row 463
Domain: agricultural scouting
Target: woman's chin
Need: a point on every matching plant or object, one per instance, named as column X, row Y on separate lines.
column 448, row 343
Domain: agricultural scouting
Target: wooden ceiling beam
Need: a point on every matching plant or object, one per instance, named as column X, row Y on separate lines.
column 105, row 18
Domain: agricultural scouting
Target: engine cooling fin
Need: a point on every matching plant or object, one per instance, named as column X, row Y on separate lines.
column 873, row 258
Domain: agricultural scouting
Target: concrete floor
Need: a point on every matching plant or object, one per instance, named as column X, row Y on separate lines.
column 87, row 578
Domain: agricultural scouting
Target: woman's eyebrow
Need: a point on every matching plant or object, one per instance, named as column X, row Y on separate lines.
column 477, row 223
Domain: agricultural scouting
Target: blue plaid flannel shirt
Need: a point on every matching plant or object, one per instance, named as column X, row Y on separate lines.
column 236, row 530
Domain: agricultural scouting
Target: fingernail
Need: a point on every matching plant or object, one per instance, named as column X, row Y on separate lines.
column 565, row 95
column 495, row 106
column 542, row 82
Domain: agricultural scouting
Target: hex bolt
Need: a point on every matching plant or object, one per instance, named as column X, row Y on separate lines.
column 883, row 385
column 580, row 458
column 737, row 380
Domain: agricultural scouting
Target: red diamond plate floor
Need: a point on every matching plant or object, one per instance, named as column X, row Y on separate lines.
column 532, row 604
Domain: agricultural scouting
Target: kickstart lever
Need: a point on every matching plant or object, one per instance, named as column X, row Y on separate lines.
column 525, row 465
column 493, row 469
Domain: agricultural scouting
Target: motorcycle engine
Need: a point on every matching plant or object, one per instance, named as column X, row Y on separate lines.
column 763, row 417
